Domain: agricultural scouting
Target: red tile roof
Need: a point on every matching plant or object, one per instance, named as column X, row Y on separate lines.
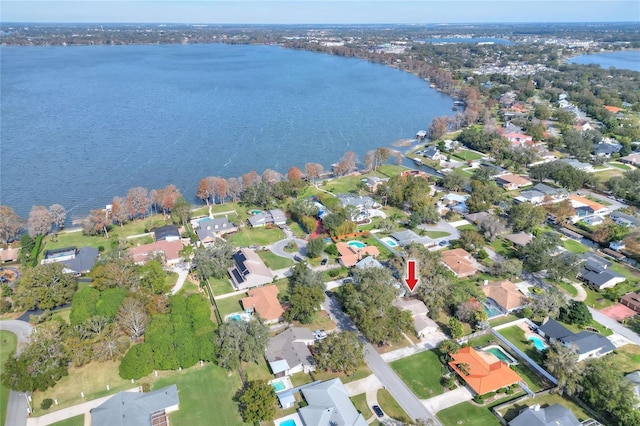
column 484, row 372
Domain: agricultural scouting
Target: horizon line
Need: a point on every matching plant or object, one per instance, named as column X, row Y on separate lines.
column 325, row 23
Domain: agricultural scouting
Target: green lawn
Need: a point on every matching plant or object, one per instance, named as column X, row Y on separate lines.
column 360, row 402
column 467, row 414
column 206, row 396
column 620, row 166
column 504, row 248
column 422, row 373
column 515, row 335
column 574, row 246
column 8, row 345
column 627, row 357
column 256, row 236
column 545, row 400
column 297, row 230
column 533, row 381
column 465, row 155
column 435, row 234
column 568, row 288
column 391, row 407
column 259, row 371
column 72, row 421
column 362, row 372
column 229, row 305
column 273, row 261
column 467, row 226
column 502, row 320
column 170, row 280
column 220, row 286
column 62, row 314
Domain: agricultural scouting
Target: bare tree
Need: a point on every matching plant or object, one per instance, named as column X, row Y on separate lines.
column 119, row 212
column 249, row 179
column 166, row 197
column 58, row 215
column 221, row 187
column 492, row 226
column 39, row 222
column 234, row 188
column 313, row 171
column 96, row 222
column 10, row 225
column 380, row 156
column 438, row 127
column 132, row 317
column 271, row 176
column 369, row 160
column 137, row 201
column 347, row 164
column 110, row 345
column 203, row 192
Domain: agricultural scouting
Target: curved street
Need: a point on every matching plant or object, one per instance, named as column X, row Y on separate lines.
column 17, row 406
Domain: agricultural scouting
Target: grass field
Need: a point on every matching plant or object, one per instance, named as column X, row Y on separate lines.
column 435, row 234
column 515, row 335
column 627, row 357
column 206, row 396
column 229, row 305
column 273, row 261
column 360, row 402
column 467, row 414
column 258, row 371
column 502, row 320
column 574, row 246
column 256, row 236
column 422, row 373
column 360, row 373
column 545, row 401
column 73, row 421
column 568, row 288
column 9, row 342
column 465, row 155
column 391, row 407
column 220, row 286
column 620, row 166
column 467, row 227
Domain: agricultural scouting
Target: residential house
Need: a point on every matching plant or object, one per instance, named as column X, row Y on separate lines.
column 210, row 229
column 373, row 182
column 249, row 270
column 460, row 262
column 541, row 193
column 169, row 251
column 369, row 262
column 518, row 139
column 634, row 378
column 632, row 301
column 421, row 322
column 404, row 238
column 578, row 165
column 553, row 415
column 606, row 150
column 633, row 159
column 593, row 220
column 328, row 403
column 456, row 202
column 587, row 344
column 288, row 352
column 264, row 302
column 478, row 218
column 137, row 408
column 617, row 245
column 596, row 273
column 349, row 255
column 520, row 239
column 9, row 254
column 583, row 125
column 612, row 109
column 585, row 207
column 625, row 219
column 505, row 294
column 75, row 261
column 167, row 233
column 359, row 202
column 270, row 217
column 510, row 181
column 482, row 371
column 432, row 153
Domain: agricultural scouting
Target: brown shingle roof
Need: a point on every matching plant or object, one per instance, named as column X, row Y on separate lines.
column 505, row 294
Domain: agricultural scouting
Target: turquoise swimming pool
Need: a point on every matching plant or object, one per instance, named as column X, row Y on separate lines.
column 538, row 343
column 357, row 244
column 389, row 241
column 289, row 422
column 278, row 386
column 500, row 354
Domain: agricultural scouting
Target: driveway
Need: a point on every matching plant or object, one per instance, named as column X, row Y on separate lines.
column 182, row 272
column 442, row 226
column 17, row 406
column 615, row 326
column 448, row 399
column 277, row 248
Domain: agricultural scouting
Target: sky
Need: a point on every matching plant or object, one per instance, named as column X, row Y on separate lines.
column 319, row 11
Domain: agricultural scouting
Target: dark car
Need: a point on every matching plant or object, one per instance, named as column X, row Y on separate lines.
column 297, row 258
column 329, row 293
column 324, row 261
column 378, row 411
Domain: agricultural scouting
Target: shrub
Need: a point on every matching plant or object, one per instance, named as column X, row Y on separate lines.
column 100, row 249
column 482, row 254
column 501, row 390
column 334, row 273
column 46, row 403
column 5, row 306
column 509, row 390
column 478, row 399
column 331, row 249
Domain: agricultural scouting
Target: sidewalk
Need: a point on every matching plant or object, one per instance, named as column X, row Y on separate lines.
column 434, row 339
column 448, row 399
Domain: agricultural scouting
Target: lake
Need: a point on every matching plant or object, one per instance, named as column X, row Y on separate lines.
column 83, row 124
column 628, row 59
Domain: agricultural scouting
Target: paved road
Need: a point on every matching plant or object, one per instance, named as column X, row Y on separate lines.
column 17, row 405
column 389, row 379
column 615, row 326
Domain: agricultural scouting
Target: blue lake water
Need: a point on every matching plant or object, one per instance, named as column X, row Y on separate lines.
column 629, row 59
column 455, row 40
column 83, row 124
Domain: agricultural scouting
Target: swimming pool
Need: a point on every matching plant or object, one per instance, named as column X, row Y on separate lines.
column 255, row 211
column 235, row 317
column 357, row 244
column 389, row 241
column 289, row 422
column 278, row 386
column 538, row 342
column 500, row 354
column 491, row 309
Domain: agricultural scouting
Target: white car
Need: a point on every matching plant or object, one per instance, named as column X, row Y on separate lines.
column 319, row 334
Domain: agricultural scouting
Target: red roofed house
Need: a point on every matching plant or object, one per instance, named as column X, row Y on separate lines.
column 264, row 302
column 460, row 262
column 519, row 139
column 612, row 109
column 169, row 250
column 510, row 181
column 482, row 371
column 631, row 300
column 351, row 254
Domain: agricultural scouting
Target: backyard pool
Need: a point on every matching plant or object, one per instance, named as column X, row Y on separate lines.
column 278, row 386
column 255, row 211
column 500, row 354
column 491, row 309
column 357, row 244
column 289, row 422
column 538, row 342
column 389, row 241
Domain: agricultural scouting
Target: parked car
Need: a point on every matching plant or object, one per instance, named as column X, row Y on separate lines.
column 329, row 293
column 297, row 258
column 347, row 280
column 378, row 411
column 443, row 243
column 319, row 334
column 324, row 261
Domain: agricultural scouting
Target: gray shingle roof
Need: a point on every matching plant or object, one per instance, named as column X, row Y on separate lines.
column 329, row 404
column 554, row 415
column 134, row 408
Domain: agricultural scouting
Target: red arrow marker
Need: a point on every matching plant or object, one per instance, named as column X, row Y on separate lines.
column 411, row 279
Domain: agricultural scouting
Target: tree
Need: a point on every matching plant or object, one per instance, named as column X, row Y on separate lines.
column 115, row 271
column 10, row 224
column 132, row 317
column 234, row 188
column 294, row 174
column 512, row 268
column 455, row 327
column 525, row 216
column 119, row 213
column 166, row 198
column 339, row 352
column 315, row 247
column 221, row 187
column 137, row 202
column 241, row 341
column 153, row 276
column 453, row 182
column 492, row 226
column 466, row 312
column 380, row 156
column 257, row 402
column 471, row 240
column 304, row 301
column 203, row 192
column 137, row 362
column 562, row 362
column 535, row 255
column 39, row 222
column 548, row 303
column 562, row 211
column 96, row 222
column 45, row 287
column 347, row 164
column 181, row 211
column 438, row 127
column 58, row 215
column 214, row 260
column 448, row 347
column 109, row 345
column 313, row 171
column 576, row 313
column 271, row 177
